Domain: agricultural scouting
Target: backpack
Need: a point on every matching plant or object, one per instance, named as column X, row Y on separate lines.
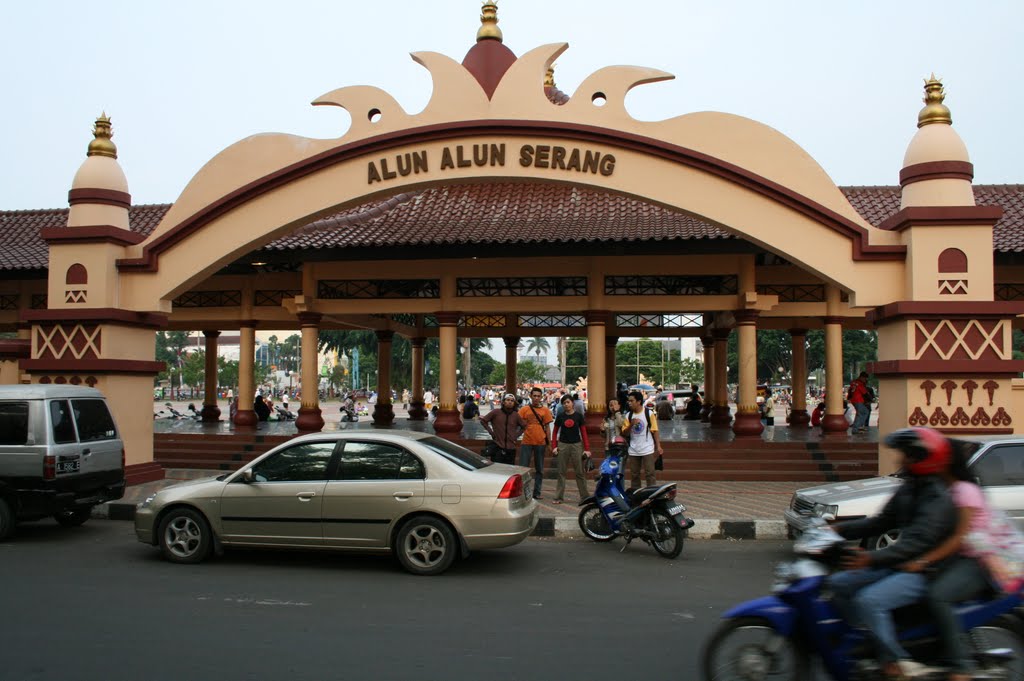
column 869, row 395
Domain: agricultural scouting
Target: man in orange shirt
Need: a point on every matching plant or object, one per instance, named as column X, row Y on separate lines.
column 537, row 418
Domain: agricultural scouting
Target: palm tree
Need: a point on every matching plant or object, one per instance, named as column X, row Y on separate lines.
column 563, row 345
column 537, row 346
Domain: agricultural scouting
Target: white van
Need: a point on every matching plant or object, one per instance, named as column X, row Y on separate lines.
column 60, row 454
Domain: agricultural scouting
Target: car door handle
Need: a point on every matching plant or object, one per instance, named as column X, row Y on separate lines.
column 86, row 452
column 305, row 496
column 403, row 495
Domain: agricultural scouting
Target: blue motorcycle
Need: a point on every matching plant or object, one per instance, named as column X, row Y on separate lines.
column 651, row 514
column 778, row 636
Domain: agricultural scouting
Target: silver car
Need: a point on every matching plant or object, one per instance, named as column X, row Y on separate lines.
column 996, row 462
column 424, row 498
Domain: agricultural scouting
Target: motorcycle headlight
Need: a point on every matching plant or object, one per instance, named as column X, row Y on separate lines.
column 821, row 510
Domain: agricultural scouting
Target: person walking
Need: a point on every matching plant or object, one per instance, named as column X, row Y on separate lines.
column 570, row 444
column 535, row 437
column 505, row 426
column 769, row 408
column 857, row 396
column 644, row 440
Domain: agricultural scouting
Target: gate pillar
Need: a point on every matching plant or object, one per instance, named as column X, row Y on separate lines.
column 945, row 355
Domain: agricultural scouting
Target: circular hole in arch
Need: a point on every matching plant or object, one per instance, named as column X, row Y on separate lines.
column 374, row 115
column 599, row 99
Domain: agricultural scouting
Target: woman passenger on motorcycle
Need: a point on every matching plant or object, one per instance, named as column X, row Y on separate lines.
column 965, row 576
column 871, row 586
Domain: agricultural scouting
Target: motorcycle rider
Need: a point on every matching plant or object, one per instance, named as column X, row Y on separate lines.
column 871, row 586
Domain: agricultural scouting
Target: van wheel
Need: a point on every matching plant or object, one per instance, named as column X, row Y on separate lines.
column 74, row 518
column 6, row 520
column 185, row 536
column 426, row 546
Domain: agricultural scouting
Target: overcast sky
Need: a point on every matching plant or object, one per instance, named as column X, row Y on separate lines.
column 183, row 80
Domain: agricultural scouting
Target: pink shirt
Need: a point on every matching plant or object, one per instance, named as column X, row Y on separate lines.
column 969, row 495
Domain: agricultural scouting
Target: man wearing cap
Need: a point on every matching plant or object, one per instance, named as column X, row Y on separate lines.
column 505, row 426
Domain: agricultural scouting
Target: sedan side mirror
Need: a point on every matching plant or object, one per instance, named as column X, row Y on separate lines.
column 248, row 476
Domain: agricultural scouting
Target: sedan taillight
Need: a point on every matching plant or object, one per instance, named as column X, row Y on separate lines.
column 49, row 467
column 513, row 488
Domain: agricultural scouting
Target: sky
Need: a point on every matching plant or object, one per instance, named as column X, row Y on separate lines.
column 183, row 80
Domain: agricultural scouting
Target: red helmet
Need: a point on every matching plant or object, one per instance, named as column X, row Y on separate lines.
column 928, row 451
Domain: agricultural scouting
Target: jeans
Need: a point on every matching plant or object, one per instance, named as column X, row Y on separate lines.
column 868, row 597
column 863, row 414
column 960, row 581
column 536, row 453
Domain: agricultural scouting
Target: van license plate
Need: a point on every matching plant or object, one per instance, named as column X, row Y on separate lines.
column 72, row 466
column 675, row 510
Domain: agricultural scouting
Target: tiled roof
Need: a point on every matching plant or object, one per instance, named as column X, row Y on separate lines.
column 499, row 213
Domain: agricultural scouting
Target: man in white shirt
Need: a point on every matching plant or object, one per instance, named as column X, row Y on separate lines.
column 644, row 441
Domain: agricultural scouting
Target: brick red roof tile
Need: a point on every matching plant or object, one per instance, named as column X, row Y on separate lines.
column 500, row 213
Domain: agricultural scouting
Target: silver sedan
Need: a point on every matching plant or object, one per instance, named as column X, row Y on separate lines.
column 423, row 498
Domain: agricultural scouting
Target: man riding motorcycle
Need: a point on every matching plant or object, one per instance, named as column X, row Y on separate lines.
column 871, row 586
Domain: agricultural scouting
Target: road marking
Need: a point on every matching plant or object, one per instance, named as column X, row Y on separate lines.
column 256, row 601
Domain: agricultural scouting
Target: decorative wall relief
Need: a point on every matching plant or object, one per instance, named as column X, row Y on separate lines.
column 952, row 261
column 960, row 412
column 960, row 339
column 77, row 279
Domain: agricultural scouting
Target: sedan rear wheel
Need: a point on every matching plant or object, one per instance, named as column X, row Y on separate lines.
column 185, row 536
column 883, row 540
column 426, row 546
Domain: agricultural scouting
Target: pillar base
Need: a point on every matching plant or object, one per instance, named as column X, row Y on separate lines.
column 748, row 424
column 417, row 411
column 245, row 418
column 592, row 422
column 383, row 414
column 720, row 416
column 799, row 418
column 210, row 413
column 448, row 421
column 834, row 424
column 310, row 420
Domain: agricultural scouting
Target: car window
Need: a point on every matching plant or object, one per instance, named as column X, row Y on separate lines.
column 305, row 462
column 93, row 420
column 60, row 422
column 1000, row 466
column 378, row 461
column 455, row 453
column 13, row 423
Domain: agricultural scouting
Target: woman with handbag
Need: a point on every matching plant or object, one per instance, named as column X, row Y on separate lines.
column 571, row 445
column 612, row 424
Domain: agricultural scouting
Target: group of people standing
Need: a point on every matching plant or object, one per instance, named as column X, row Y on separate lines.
column 565, row 436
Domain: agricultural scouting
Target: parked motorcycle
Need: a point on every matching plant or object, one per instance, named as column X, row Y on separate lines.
column 283, row 414
column 193, row 413
column 348, row 413
column 651, row 514
column 780, row 635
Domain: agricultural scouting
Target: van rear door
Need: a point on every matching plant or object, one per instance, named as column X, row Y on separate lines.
column 97, row 436
column 67, row 456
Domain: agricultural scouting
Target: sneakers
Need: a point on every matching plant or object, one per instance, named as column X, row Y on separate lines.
column 913, row 669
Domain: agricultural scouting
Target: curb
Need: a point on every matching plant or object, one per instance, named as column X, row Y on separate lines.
column 564, row 527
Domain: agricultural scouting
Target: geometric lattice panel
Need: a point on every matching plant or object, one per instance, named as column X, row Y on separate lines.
column 521, row 287
column 795, row 293
column 669, row 285
column 378, row 288
column 663, row 321
column 274, row 298
column 209, row 299
column 562, row 321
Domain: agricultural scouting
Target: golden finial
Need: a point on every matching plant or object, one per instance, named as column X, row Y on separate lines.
column 549, row 77
column 101, row 144
column 489, row 22
column 934, row 111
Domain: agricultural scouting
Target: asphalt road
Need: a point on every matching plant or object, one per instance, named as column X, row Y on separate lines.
column 92, row 603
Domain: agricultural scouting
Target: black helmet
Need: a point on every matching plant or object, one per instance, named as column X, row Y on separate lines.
column 928, row 451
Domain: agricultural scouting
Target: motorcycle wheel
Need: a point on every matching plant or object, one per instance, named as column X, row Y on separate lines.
column 747, row 648
column 669, row 541
column 344, row 416
column 594, row 524
column 1004, row 632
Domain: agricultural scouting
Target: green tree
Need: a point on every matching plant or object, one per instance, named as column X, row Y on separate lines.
column 576, row 353
column 193, row 369
column 497, row 375
column 538, row 346
column 227, row 373
column 170, row 349
column 1018, row 342
column 529, row 372
column 859, row 348
column 692, row 371
column 639, row 357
